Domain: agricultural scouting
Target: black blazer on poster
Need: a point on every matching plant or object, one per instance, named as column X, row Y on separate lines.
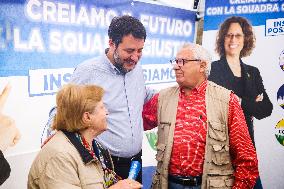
column 222, row 75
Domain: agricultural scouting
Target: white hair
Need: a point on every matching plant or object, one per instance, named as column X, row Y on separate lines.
column 200, row 53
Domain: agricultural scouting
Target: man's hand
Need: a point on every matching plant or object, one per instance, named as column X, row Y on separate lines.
column 9, row 133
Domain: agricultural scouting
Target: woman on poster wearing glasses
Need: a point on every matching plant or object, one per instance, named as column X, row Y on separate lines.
column 235, row 40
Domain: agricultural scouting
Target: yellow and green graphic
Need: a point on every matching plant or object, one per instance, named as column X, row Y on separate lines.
column 279, row 134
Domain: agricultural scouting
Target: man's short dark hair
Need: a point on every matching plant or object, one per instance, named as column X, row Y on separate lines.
column 125, row 25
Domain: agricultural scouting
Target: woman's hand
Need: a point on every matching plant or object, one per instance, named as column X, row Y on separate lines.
column 126, row 184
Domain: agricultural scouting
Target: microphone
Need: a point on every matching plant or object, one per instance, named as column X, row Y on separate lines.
column 134, row 170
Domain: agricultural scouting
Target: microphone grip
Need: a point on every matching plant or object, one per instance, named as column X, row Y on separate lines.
column 134, row 170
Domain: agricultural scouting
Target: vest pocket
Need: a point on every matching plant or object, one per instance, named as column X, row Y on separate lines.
column 220, row 155
column 217, row 131
column 156, row 181
column 220, row 182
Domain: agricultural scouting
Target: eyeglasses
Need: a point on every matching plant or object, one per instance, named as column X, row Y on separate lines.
column 231, row 36
column 182, row 61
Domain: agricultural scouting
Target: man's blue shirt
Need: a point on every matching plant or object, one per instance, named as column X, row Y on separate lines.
column 124, row 98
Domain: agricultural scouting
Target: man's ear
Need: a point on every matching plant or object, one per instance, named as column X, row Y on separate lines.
column 203, row 66
column 111, row 43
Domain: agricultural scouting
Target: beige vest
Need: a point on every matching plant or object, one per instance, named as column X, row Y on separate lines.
column 217, row 168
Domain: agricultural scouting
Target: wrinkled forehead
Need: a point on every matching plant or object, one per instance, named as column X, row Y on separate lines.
column 185, row 53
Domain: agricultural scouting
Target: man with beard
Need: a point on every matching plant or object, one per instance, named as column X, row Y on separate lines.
column 120, row 75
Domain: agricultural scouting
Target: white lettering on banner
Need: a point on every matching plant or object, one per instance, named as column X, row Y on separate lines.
column 158, row 73
column 48, row 81
column 64, row 13
column 33, row 43
column 68, row 42
column 246, row 1
column 166, row 25
column 49, row 11
column 211, row 11
column 261, row 8
column 229, row 10
column 77, row 42
column 161, row 48
column 244, row 9
column 72, row 42
column 274, row 27
column 83, row 17
column 31, row 11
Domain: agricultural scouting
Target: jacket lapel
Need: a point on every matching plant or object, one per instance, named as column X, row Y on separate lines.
column 247, row 78
column 227, row 74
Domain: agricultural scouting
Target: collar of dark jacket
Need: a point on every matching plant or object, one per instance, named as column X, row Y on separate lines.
column 244, row 70
column 86, row 156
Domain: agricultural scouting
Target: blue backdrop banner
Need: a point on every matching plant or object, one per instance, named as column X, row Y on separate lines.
column 36, row 34
column 257, row 11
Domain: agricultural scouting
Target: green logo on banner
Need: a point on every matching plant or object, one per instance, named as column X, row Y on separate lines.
column 152, row 139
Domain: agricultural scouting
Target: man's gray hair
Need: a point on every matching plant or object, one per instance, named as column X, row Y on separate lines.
column 200, row 53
